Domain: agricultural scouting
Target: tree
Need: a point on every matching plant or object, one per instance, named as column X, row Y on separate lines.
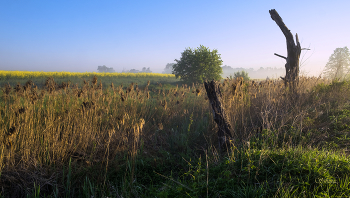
column 242, row 74
column 338, row 64
column 133, row 71
column 168, row 68
column 146, row 70
column 104, row 68
column 293, row 50
column 197, row 65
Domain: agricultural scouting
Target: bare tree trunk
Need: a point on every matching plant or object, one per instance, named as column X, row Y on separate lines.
column 292, row 66
column 225, row 129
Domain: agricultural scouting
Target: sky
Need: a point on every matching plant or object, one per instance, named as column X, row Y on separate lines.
column 80, row 35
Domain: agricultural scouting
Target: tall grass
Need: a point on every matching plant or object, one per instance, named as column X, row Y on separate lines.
column 94, row 140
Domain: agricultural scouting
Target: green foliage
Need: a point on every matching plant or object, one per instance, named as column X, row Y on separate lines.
column 296, row 172
column 242, row 74
column 338, row 64
column 198, row 65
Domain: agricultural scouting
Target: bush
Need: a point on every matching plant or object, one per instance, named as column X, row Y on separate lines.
column 242, row 74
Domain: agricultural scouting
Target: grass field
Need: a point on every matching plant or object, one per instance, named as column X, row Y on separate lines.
column 96, row 139
column 39, row 78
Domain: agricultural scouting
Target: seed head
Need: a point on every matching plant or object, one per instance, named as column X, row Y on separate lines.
column 160, row 126
column 164, row 104
column 7, row 89
column 94, row 80
column 18, row 88
column 20, row 111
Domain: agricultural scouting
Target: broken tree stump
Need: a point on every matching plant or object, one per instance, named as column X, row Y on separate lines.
column 292, row 66
column 225, row 128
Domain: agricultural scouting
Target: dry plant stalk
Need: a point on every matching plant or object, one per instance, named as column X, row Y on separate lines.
column 51, row 124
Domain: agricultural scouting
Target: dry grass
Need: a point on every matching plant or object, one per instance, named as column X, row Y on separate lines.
column 267, row 105
column 92, row 125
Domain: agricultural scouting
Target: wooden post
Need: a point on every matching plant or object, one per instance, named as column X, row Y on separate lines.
column 225, row 129
column 292, row 66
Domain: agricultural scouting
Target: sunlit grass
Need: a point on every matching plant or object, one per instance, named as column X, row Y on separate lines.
column 94, row 140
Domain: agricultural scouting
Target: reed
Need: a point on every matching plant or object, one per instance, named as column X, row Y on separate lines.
column 105, row 132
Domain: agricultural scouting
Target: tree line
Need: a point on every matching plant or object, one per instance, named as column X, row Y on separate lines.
column 197, row 65
column 104, row 68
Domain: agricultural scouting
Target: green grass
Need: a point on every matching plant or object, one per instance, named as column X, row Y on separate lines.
column 305, row 155
column 263, row 173
column 289, row 172
column 106, row 81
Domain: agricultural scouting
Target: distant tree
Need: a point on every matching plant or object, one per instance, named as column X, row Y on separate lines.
column 338, row 64
column 197, row 65
column 146, row 70
column 225, row 67
column 242, row 74
column 134, row 71
column 110, row 70
column 104, row 68
column 250, row 70
column 168, row 68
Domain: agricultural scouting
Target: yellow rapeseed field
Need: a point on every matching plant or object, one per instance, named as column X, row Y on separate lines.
column 38, row 74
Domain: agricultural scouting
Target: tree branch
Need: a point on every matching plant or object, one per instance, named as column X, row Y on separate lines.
column 276, row 17
column 280, row 56
column 293, row 51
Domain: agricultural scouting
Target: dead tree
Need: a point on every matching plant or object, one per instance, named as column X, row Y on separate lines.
column 292, row 66
column 225, row 129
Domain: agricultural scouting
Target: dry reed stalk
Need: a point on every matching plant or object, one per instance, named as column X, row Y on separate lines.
column 47, row 133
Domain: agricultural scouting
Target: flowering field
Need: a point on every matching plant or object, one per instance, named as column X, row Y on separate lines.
column 14, row 77
column 41, row 74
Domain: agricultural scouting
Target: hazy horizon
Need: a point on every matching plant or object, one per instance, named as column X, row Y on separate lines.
column 79, row 36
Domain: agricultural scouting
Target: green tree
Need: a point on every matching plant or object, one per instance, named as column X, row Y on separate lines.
column 198, row 65
column 242, row 74
column 338, row 64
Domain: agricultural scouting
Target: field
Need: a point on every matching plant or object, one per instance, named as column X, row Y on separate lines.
column 39, row 78
column 97, row 139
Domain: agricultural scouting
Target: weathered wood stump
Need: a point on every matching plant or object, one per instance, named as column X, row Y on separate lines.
column 292, row 66
column 225, row 128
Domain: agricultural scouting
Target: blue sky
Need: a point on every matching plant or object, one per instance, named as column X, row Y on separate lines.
column 81, row 35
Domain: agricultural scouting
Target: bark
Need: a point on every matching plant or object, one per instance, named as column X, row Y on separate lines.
column 225, row 129
column 292, row 66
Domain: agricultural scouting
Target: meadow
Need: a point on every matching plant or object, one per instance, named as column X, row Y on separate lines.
column 99, row 138
column 39, row 78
